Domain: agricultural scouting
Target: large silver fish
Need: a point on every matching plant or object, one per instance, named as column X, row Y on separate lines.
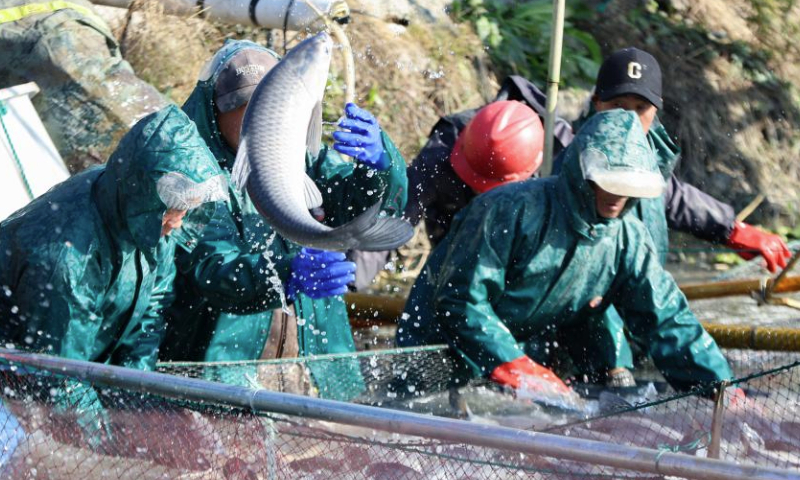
column 282, row 121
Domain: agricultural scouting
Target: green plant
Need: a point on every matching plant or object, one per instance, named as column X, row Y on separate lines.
column 517, row 35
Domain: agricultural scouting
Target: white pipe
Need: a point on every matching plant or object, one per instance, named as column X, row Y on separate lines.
column 553, row 77
column 404, row 423
column 293, row 15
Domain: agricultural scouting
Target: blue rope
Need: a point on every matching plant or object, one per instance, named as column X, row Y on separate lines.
column 17, row 162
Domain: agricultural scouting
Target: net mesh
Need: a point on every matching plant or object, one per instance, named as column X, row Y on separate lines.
column 52, row 426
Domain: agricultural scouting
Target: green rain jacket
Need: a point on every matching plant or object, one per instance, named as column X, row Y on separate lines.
column 84, row 268
column 225, row 286
column 523, row 262
column 604, row 345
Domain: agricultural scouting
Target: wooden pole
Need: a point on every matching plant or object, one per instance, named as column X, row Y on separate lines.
column 366, row 309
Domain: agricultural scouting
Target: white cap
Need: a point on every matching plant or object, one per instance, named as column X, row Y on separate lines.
column 179, row 192
column 620, row 180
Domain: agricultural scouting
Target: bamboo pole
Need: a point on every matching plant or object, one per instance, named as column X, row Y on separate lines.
column 366, row 311
column 593, row 452
column 698, row 291
column 783, row 339
column 367, row 307
column 715, row 445
column 774, row 286
column 553, row 77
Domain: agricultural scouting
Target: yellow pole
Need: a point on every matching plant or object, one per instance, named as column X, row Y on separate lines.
column 697, row 291
column 553, row 77
column 375, row 309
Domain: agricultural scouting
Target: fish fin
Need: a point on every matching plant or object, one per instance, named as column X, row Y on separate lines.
column 374, row 233
column 314, row 134
column 388, row 233
column 611, row 402
column 312, row 193
column 241, row 167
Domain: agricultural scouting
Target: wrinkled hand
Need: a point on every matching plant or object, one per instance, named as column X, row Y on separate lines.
column 318, row 274
column 750, row 241
column 525, row 373
column 361, row 138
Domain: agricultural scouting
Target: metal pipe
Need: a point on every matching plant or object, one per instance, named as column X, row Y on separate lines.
column 536, row 443
column 279, row 14
column 553, row 77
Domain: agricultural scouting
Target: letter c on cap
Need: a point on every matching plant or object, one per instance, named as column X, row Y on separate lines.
column 635, row 70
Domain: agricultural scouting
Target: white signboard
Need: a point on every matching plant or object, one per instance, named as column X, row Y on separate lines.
column 38, row 160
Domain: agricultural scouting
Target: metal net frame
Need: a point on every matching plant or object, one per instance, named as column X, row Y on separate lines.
column 59, row 424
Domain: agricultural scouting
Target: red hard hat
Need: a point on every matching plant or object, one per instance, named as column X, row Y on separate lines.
column 503, row 143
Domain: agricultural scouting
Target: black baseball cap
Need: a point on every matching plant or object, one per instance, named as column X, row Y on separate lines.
column 627, row 71
column 240, row 76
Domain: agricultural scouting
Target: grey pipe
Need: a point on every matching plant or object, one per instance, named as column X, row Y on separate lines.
column 292, row 15
column 536, row 443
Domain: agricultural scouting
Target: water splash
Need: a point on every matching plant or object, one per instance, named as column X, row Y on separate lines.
column 272, row 273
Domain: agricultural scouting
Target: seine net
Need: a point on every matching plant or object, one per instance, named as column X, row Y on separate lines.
column 56, row 426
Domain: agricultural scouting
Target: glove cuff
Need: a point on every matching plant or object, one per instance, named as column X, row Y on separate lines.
column 739, row 230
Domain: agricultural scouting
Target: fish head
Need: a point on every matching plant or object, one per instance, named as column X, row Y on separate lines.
column 311, row 60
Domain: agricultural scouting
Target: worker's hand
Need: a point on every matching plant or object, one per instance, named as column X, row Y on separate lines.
column 361, row 138
column 319, row 274
column 525, row 374
column 749, row 241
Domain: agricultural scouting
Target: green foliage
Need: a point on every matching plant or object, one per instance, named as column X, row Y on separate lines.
column 789, row 232
column 517, row 35
column 728, row 258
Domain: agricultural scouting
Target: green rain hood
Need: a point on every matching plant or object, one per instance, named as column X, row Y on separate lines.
column 84, row 268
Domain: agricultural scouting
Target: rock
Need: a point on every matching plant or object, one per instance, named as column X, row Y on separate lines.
column 425, row 11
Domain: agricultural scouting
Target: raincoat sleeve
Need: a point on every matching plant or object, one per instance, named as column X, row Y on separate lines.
column 657, row 312
column 138, row 346
column 57, row 297
column 423, row 174
column 691, row 210
column 472, row 277
column 223, row 269
column 349, row 188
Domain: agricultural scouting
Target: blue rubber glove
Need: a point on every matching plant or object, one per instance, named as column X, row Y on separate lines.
column 363, row 140
column 319, row 274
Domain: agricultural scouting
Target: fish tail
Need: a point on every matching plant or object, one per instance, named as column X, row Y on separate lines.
column 372, row 233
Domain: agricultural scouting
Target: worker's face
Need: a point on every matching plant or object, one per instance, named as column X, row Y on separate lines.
column 634, row 103
column 607, row 204
column 172, row 220
column 230, row 125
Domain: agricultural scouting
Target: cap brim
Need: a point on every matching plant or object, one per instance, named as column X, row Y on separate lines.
column 635, row 89
column 237, row 98
column 629, row 183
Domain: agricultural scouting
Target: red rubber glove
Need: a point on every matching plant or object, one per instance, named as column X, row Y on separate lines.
column 513, row 373
column 757, row 242
column 737, row 397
